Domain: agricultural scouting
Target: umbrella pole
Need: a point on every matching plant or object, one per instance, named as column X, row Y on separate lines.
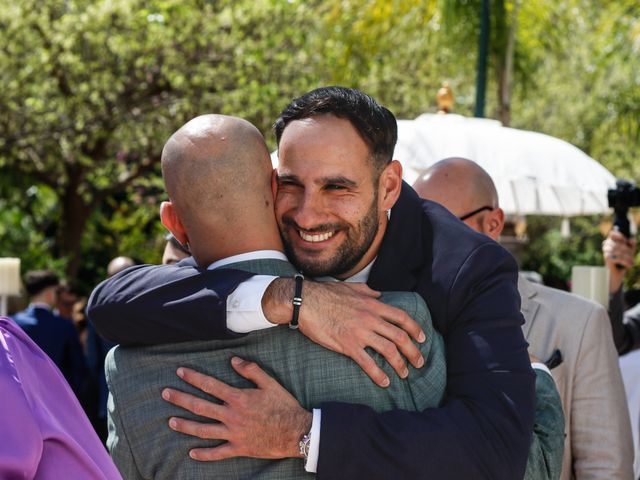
column 483, row 48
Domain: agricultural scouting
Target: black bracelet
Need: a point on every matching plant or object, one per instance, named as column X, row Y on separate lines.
column 297, row 301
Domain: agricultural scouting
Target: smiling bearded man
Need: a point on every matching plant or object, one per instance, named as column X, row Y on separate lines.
column 336, row 151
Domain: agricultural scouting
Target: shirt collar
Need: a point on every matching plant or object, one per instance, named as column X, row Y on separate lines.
column 361, row 277
column 243, row 257
column 46, row 306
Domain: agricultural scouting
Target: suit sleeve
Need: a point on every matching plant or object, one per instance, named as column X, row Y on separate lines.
column 547, row 446
column 154, row 304
column 118, row 445
column 76, row 360
column 632, row 327
column 621, row 336
column 600, row 425
column 483, row 430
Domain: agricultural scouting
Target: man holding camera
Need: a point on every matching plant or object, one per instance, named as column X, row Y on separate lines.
column 619, row 251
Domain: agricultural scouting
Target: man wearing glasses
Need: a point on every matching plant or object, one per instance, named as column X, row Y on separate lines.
column 571, row 335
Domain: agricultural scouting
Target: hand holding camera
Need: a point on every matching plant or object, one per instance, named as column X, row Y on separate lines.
column 619, row 249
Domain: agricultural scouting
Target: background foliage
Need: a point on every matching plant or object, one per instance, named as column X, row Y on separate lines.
column 92, row 89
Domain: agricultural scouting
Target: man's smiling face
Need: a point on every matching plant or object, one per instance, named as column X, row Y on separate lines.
column 327, row 202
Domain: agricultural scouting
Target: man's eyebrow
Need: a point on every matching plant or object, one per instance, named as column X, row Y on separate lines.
column 339, row 180
column 344, row 181
column 287, row 177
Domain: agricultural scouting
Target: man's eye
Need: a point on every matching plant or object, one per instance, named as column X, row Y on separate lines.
column 335, row 187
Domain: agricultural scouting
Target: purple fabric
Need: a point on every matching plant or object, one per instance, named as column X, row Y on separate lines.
column 44, row 433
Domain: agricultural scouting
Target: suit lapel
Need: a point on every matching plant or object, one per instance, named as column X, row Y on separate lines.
column 529, row 305
column 401, row 253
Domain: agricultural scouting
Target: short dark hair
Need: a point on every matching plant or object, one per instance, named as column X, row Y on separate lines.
column 35, row 281
column 70, row 287
column 376, row 124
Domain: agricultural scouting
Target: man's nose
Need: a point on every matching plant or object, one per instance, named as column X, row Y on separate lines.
column 310, row 211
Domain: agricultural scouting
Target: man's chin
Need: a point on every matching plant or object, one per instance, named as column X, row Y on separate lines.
column 314, row 267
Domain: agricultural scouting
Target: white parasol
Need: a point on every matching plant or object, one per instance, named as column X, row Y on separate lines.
column 534, row 173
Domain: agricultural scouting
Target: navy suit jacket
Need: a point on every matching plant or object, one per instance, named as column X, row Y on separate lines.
column 58, row 338
column 469, row 282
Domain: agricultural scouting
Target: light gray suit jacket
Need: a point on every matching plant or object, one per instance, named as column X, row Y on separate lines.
column 143, row 446
column 598, row 441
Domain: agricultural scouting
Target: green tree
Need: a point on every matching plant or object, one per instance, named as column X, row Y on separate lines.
column 91, row 90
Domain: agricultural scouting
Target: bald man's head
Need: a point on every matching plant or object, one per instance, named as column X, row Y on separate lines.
column 463, row 187
column 217, row 172
column 118, row 264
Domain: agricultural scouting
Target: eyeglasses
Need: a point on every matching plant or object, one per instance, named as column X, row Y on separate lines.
column 475, row 212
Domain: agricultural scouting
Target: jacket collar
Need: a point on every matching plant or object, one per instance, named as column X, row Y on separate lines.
column 401, row 253
column 41, row 305
column 529, row 305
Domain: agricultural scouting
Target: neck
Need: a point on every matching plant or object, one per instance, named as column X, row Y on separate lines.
column 233, row 243
column 42, row 300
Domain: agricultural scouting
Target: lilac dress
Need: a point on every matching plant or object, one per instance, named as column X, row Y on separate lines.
column 44, row 433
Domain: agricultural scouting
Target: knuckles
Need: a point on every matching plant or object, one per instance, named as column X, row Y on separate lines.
column 400, row 337
column 388, row 350
column 208, row 386
column 199, row 408
column 234, row 397
column 202, row 431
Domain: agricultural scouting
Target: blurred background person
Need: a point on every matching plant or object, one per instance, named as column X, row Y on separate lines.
column 45, row 433
column 619, row 254
column 55, row 335
column 97, row 348
column 67, row 296
column 174, row 251
column 79, row 318
column 570, row 334
column 119, row 264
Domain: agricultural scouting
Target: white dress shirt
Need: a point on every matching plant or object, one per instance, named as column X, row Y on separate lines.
column 244, row 304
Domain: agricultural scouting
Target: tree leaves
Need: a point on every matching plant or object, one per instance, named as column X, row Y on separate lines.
column 92, row 90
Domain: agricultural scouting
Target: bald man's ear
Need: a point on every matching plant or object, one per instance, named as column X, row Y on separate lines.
column 170, row 219
column 390, row 185
column 494, row 223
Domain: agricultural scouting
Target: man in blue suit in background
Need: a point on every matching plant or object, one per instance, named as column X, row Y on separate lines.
column 54, row 334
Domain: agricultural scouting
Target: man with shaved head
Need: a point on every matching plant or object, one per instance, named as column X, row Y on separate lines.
column 217, row 174
column 119, row 264
column 219, row 192
column 572, row 335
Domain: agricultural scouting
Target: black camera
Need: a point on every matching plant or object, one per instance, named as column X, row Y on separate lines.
column 621, row 198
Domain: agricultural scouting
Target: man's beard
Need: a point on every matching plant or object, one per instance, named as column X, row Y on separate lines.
column 348, row 254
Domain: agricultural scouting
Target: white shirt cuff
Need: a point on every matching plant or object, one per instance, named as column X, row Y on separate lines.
column 314, row 443
column 541, row 366
column 244, row 305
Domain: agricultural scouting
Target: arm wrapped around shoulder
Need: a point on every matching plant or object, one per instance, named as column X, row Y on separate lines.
column 154, row 304
column 483, row 430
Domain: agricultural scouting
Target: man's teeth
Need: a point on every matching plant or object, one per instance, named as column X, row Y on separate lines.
column 316, row 237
